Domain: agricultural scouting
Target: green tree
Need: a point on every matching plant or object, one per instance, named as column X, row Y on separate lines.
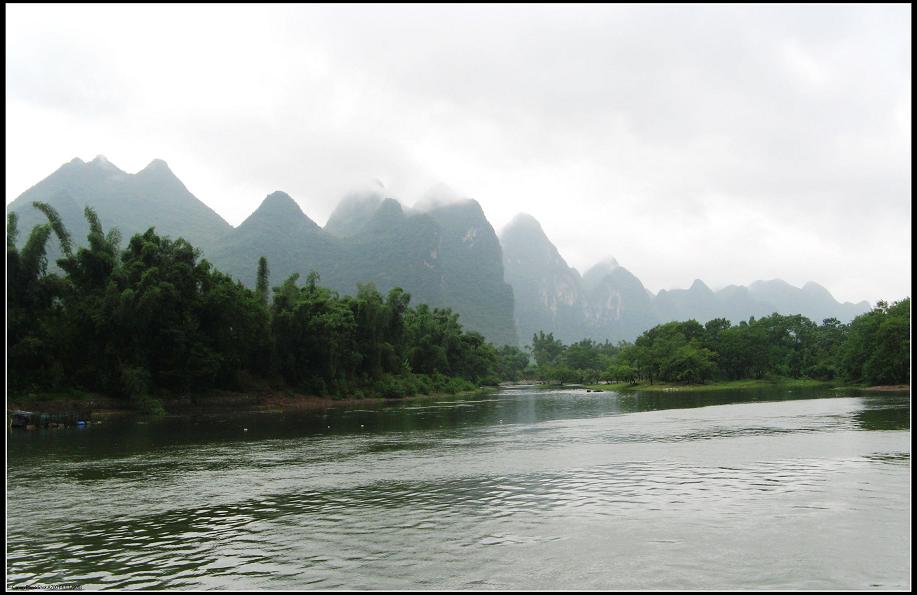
column 262, row 285
column 546, row 349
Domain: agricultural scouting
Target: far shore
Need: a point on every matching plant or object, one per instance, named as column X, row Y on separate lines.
column 889, row 388
column 93, row 405
column 84, row 405
column 785, row 383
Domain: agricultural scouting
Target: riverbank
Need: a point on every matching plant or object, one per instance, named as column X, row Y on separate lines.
column 715, row 386
column 788, row 383
column 94, row 406
column 890, row 388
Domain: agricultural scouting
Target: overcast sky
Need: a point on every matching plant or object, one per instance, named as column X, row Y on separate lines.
column 723, row 143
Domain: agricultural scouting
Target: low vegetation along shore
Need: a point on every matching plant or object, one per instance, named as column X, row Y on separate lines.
column 83, row 405
column 77, row 405
column 737, row 385
column 730, row 385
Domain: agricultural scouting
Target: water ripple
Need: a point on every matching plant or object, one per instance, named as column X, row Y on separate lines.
column 777, row 495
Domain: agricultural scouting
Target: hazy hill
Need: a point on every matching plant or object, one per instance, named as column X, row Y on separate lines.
column 620, row 306
column 394, row 249
column 444, row 252
column 698, row 302
column 352, row 214
column 472, row 263
column 548, row 292
column 449, row 257
column 761, row 298
column 154, row 196
column 812, row 300
column 281, row 232
column 609, row 302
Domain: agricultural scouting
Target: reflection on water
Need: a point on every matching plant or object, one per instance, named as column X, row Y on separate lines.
column 529, row 488
column 878, row 415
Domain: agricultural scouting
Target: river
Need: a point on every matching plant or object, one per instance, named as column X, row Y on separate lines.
column 528, row 488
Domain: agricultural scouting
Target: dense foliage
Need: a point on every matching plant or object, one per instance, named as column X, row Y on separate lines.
column 156, row 318
column 873, row 349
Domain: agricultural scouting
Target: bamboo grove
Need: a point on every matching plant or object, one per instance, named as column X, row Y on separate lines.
column 156, row 318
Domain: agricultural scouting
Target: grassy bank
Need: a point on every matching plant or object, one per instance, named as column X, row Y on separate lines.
column 893, row 388
column 92, row 405
column 62, row 401
column 716, row 386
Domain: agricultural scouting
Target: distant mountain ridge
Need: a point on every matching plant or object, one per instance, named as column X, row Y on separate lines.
column 444, row 252
column 609, row 302
column 448, row 256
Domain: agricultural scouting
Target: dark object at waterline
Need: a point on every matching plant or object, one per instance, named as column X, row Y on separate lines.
column 24, row 419
column 20, row 419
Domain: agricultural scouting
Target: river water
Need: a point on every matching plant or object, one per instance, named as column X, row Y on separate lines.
column 527, row 488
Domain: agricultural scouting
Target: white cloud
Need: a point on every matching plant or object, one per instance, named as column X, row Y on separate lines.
column 725, row 143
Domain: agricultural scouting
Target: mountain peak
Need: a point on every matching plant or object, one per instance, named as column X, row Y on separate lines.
column 279, row 199
column 389, row 210
column 603, row 267
column 770, row 283
column 438, row 195
column 153, row 166
column 611, row 262
column 523, row 221
column 466, row 210
column 388, row 214
column 353, row 213
column 813, row 287
column 391, row 204
column 73, row 167
column 279, row 208
column 158, row 174
column 699, row 285
column 101, row 162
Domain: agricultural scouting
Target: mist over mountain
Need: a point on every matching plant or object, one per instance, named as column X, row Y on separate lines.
column 353, row 213
column 549, row 294
column 446, row 257
column 698, row 302
column 444, row 252
column 812, row 300
column 471, row 258
column 609, row 302
column 620, row 306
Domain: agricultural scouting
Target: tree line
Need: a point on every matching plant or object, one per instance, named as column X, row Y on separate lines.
column 872, row 349
column 156, row 318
